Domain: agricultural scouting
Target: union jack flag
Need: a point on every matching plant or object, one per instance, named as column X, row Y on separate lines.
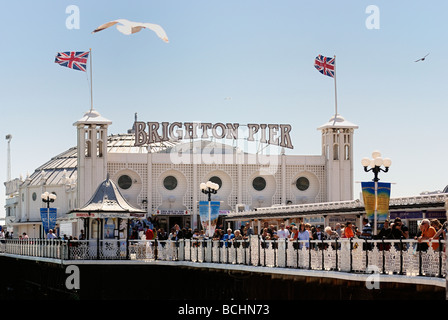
column 325, row 65
column 75, row 60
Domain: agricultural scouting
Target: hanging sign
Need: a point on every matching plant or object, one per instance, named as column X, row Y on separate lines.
column 383, row 198
column 209, row 213
column 48, row 217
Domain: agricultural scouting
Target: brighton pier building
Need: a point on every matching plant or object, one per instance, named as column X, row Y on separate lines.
column 158, row 169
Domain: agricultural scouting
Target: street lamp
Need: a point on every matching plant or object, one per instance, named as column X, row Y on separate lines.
column 209, row 188
column 48, row 198
column 375, row 165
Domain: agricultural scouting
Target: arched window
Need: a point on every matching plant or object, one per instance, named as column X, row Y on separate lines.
column 99, row 151
column 88, row 149
column 335, row 151
column 347, row 152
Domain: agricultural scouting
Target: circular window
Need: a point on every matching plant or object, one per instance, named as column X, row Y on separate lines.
column 34, row 196
column 170, row 183
column 259, row 183
column 302, row 183
column 216, row 180
column 125, row 182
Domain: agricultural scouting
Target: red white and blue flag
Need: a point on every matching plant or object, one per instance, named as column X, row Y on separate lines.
column 325, row 65
column 76, row 60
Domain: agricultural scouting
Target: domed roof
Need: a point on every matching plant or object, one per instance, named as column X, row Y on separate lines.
column 338, row 121
column 93, row 116
column 62, row 168
column 108, row 199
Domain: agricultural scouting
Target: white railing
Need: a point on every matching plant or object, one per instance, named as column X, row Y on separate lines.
column 384, row 256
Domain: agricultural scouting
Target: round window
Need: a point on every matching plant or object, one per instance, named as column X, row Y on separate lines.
column 170, row 183
column 125, row 182
column 259, row 183
column 34, row 196
column 302, row 183
column 216, row 180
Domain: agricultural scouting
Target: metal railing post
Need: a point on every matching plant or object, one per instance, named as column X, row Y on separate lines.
column 440, row 258
column 384, row 255
column 236, row 250
column 127, row 248
column 401, row 255
column 297, row 252
column 367, row 253
column 323, row 256
column 69, row 253
column 264, row 253
column 309, row 254
column 274, row 248
column 420, row 273
column 351, row 256
column 336, row 249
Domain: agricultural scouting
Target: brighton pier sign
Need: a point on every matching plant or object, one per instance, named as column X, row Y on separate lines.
column 151, row 132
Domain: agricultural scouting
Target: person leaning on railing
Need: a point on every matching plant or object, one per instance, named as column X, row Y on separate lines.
column 365, row 234
column 348, row 231
column 384, row 234
column 303, row 234
column 428, row 232
column 237, row 236
column 331, row 235
column 441, row 233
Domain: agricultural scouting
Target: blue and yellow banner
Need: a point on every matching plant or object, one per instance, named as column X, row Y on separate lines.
column 383, row 198
column 204, row 215
column 48, row 217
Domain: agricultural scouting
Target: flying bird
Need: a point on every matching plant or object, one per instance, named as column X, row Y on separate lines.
column 422, row 59
column 128, row 27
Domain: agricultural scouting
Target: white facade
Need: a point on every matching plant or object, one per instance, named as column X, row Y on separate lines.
column 163, row 178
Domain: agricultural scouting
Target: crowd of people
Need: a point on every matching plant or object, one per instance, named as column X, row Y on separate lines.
column 430, row 231
column 428, row 234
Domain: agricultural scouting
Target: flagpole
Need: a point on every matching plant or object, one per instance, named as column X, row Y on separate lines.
column 91, row 82
column 335, row 92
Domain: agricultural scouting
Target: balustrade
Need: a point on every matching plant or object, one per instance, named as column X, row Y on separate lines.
column 401, row 257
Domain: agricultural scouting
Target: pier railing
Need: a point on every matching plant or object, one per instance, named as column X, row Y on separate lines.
column 403, row 257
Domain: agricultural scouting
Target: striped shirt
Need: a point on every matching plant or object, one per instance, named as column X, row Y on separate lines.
column 366, row 232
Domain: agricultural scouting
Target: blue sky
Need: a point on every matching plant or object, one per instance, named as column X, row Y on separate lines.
column 258, row 53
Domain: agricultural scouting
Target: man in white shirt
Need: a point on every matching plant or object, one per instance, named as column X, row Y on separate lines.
column 51, row 235
column 282, row 233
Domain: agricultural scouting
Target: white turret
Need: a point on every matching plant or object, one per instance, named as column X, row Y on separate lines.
column 337, row 147
column 92, row 153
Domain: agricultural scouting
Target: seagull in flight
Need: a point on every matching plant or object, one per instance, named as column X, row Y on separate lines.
column 128, row 27
column 422, row 59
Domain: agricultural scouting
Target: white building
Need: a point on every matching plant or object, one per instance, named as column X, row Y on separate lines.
column 163, row 177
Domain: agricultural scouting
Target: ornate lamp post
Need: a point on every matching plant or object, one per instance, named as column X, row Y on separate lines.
column 48, row 198
column 375, row 165
column 209, row 188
